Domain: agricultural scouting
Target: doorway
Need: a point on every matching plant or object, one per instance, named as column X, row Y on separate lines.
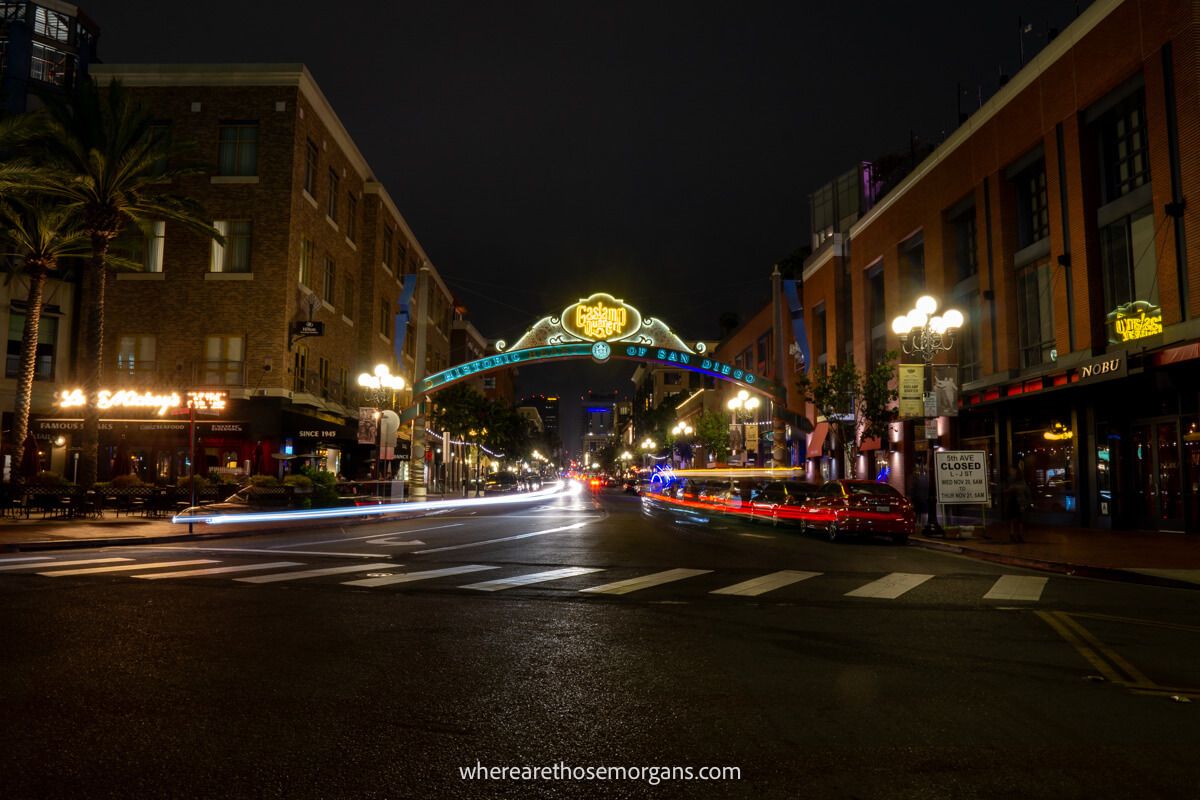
column 1156, row 463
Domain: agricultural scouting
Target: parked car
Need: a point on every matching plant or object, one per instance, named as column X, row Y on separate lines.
column 248, row 498
column 780, row 501
column 844, row 508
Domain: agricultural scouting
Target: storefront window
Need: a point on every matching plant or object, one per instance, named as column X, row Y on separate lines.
column 1045, row 456
column 1191, row 472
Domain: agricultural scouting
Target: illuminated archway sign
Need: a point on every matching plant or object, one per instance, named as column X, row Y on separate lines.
column 601, row 327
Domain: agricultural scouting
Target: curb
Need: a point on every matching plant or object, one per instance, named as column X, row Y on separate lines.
column 1058, row 567
column 127, row 541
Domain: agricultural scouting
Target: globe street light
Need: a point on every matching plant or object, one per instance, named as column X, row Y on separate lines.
column 681, row 430
column 379, row 385
column 743, row 408
column 924, row 333
column 648, row 446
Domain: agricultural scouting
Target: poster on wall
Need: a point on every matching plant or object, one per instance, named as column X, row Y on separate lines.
column 368, row 425
column 945, row 389
column 910, row 383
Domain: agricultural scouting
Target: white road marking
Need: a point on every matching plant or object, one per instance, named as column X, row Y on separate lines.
column 1017, row 587
column 645, row 582
column 275, row 577
column 63, row 563
column 503, row 539
column 277, row 552
column 25, row 558
column 754, row 535
column 409, row 577
column 889, row 587
column 126, row 567
column 525, row 580
column 189, row 573
column 766, row 583
column 390, row 543
column 372, row 536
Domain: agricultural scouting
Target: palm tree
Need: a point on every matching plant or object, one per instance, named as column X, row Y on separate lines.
column 112, row 169
column 38, row 236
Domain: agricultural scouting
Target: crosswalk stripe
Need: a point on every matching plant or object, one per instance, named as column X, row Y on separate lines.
column 1017, row 587
column 409, row 577
column 275, row 577
column 890, row 586
column 63, row 563
column 526, row 580
column 190, row 573
column 766, row 583
column 645, row 582
column 125, row 567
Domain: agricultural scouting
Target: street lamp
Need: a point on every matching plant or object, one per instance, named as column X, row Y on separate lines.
column 924, row 333
column 475, row 437
column 380, row 384
column 681, row 430
column 743, row 407
column 648, row 447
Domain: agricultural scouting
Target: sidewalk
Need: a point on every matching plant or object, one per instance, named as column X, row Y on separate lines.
column 1162, row 559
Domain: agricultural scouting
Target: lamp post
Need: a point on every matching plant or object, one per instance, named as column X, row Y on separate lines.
column 625, row 457
column 743, row 407
column 681, row 430
column 648, row 446
column 380, row 384
column 924, row 334
column 475, row 437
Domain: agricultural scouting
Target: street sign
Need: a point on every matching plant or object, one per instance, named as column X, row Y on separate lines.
column 910, row 384
column 962, row 476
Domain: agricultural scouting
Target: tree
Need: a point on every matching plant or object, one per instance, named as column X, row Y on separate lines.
column 856, row 406
column 110, row 166
column 712, row 431
column 38, row 235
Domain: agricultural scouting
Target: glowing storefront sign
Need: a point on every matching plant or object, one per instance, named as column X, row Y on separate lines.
column 132, row 398
column 1135, row 320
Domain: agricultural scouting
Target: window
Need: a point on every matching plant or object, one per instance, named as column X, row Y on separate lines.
column 763, row 352
column 224, row 360
column 401, row 264
column 331, row 202
column 135, row 355
column 47, row 344
column 306, row 253
column 143, row 244
column 299, row 368
column 967, row 340
column 323, row 375
column 12, row 11
column 877, row 327
column 1129, row 259
column 1033, row 213
column 234, row 255
column 1124, row 153
column 819, row 341
column 160, row 134
column 351, row 217
column 387, row 244
column 1035, row 313
column 311, row 154
column 48, row 65
column 912, row 268
column 330, row 281
column 348, row 299
column 51, row 24
column 821, row 214
column 342, row 386
column 966, row 254
column 385, row 319
column 671, row 378
column 238, row 149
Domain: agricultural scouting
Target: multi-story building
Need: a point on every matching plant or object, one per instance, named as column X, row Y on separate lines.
column 44, row 46
column 302, row 297
column 599, row 423
column 1056, row 220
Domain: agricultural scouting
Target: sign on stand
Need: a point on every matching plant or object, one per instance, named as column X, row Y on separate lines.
column 962, row 476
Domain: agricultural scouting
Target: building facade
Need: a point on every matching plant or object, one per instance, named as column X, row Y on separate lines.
column 1056, row 220
column 44, row 47
column 303, row 296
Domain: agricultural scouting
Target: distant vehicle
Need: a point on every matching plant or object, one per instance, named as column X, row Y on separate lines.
column 780, row 501
column 501, row 483
column 248, row 498
column 859, row 508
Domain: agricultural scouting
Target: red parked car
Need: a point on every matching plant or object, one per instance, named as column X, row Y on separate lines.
column 844, row 508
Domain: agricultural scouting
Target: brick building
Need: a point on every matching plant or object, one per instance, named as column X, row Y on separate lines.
column 1056, row 219
column 311, row 236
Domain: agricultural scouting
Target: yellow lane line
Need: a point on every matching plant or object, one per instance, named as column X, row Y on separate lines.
column 1138, row 677
column 1088, row 653
column 1174, row 626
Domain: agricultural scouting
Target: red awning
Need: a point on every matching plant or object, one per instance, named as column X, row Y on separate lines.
column 869, row 444
column 816, row 439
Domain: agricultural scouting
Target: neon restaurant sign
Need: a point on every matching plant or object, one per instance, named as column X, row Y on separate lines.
column 160, row 402
column 601, row 327
column 1135, row 320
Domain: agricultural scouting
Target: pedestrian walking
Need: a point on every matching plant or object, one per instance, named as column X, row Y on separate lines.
column 1017, row 500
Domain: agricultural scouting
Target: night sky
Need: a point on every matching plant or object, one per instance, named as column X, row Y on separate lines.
column 661, row 152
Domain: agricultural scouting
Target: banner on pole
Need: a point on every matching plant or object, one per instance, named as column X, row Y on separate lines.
column 911, row 382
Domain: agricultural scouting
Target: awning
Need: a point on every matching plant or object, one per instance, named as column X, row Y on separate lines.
column 816, row 439
column 869, row 444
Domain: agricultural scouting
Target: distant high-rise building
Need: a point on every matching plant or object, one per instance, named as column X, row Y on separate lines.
column 43, row 47
column 599, row 422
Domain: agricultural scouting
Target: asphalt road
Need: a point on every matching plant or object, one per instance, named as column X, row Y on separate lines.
column 376, row 661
